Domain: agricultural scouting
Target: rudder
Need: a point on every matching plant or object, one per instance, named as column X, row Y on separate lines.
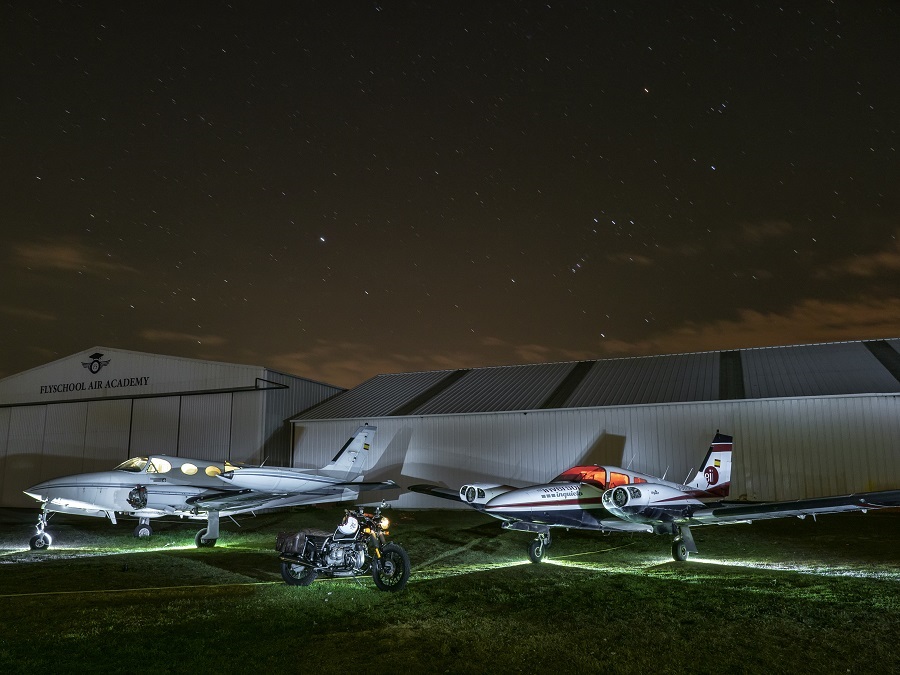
column 348, row 462
column 714, row 476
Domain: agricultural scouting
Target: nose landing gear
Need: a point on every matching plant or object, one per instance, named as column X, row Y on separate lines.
column 536, row 549
column 41, row 540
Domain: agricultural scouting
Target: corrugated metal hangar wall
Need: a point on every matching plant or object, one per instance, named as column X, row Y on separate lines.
column 93, row 410
column 808, row 421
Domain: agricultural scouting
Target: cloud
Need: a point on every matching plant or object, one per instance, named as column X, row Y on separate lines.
column 809, row 321
column 635, row 258
column 153, row 335
column 347, row 364
column 871, row 265
column 533, row 353
column 66, row 257
column 765, row 230
column 26, row 313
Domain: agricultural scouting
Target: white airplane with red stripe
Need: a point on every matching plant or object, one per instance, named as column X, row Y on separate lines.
column 613, row 499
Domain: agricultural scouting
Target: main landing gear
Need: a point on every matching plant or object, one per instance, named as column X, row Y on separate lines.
column 206, row 538
column 143, row 529
column 683, row 544
column 41, row 540
column 537, row 548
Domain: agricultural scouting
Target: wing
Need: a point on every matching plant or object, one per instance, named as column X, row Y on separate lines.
column 435, row 491
column 861, row 501
column 241, row 501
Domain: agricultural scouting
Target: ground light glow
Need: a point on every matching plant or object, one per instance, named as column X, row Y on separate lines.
column 815, row 570
column 420, row 574
column 72, row 552
column 696, row 565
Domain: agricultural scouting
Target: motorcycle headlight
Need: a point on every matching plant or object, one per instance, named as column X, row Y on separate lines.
column 384, row 523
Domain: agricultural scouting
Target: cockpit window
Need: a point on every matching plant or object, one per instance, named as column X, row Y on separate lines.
column 596, row 475
column 159, row 465
column 134, row 465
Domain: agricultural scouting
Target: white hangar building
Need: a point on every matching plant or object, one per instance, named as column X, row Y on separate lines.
column 811, row 420
column 95, row 409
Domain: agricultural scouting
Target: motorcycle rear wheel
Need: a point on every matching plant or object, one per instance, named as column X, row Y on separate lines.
column 391, row 572
column 297, row 575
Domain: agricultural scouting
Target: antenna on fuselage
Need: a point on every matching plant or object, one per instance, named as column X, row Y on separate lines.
column 686, row 478
column 665, row 473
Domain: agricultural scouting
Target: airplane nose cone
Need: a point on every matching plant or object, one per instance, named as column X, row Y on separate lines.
column 35, row 491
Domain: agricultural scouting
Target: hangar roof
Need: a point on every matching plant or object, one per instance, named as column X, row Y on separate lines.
column 829, row 369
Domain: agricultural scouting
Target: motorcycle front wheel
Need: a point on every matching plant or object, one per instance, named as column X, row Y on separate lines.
column 297, row 575
column 391, row 572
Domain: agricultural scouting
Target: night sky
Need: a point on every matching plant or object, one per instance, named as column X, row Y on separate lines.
column 337, row 190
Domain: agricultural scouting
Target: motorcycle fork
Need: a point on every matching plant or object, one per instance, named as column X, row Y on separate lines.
column 377, row 547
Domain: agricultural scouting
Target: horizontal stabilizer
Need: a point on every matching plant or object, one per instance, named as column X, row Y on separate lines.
column 435, row 491
column 370, row 485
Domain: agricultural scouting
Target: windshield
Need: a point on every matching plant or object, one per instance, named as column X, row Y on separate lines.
column 134, row 465
column 595, row 475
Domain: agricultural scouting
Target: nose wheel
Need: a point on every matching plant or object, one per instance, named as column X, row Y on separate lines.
column 41, row 540
column 538, row 547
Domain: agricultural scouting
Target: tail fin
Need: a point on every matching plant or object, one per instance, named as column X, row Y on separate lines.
column 348, row 463
column 714, row 476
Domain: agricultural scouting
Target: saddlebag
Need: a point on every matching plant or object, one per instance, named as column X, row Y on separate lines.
column 290, row 543
column 294, row 543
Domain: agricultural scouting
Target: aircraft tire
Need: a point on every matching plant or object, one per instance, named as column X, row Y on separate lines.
column 536, row 551
column 40, row 541
column 203, row 543
column 679, row 550
column 143, row 531
column 297, row 575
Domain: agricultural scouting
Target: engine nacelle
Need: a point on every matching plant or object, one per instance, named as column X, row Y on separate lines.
column 648, row 502
column 481, row 493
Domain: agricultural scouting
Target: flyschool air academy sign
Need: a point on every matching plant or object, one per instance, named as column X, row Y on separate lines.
column 95, row 364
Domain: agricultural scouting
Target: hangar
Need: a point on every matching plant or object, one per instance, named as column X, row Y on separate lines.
column 95, row 409
column 808, row 420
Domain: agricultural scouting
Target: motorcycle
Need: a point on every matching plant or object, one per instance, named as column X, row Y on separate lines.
column 357, row 547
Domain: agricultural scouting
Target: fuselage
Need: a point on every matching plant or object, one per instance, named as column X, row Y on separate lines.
column 142, row 486
column 564, row 504
column 583, row 496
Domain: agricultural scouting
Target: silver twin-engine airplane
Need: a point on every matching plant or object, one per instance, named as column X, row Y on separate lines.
column 613, row 499
column 160, row 485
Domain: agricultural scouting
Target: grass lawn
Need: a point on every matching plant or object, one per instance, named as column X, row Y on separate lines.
column 786, row 596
